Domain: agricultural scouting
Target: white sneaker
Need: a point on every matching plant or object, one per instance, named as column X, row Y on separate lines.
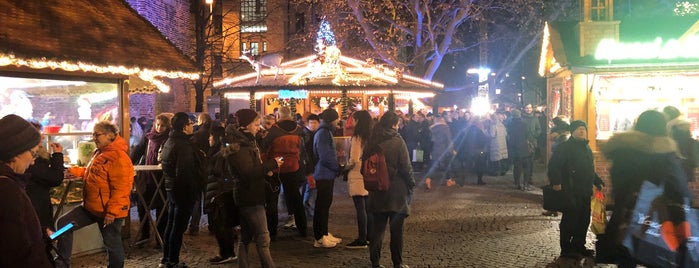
column 324, row 242
column 334, row 239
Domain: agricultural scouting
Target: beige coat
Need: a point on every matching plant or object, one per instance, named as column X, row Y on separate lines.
column 355, row 181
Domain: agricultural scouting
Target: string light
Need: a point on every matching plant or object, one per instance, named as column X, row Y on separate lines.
column 148, row 75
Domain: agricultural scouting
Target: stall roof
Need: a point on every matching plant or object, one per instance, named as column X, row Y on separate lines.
column 308, row 73
column 563, row 42
column 87, row 35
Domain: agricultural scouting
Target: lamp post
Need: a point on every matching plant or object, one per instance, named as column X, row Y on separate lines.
column 480, row 105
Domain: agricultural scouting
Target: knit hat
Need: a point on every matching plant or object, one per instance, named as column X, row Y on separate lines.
column 245, row 116
column 516, row 113
column 17, row 136
column 576, row 124
column 329, row 115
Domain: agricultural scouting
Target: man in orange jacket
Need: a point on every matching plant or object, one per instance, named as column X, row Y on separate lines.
column 107, row 185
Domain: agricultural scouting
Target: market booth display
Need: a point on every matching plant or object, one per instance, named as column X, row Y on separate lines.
column 69, row 65
column 607, row 72
column 315, row 82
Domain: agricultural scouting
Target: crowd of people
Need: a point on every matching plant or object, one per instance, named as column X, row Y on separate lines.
column 237, row 170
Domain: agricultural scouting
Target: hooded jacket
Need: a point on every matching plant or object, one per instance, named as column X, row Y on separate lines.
column 398, row 196
column 285, row 139
column 243, row 154
column 637, row 157
column 108, row 180
column 324, row 148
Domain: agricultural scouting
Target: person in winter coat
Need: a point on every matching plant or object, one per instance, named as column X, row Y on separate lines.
column 147, row 152
column 182, row 178
column 46, row 172
column 309, row 189
column 219, row 204
column 533, row 132
column 518, row 150
column 498, row 142
column 107, row 187
column 572, row 170
column 325, row 172
column 285, row 139
column 475, row 147
column 200, row 138
column 442, row 153
column 249, row 172
column 679, row 130
column 392, row 206
column 355, row 180
column 24, row 241
column 643, row 154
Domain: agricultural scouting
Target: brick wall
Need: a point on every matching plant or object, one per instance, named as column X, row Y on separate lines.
column 171, row 17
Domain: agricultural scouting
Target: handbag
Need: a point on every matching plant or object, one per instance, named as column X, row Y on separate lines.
column 418, row 155
column 556, row 200
column 653, row 239
column 598, row 223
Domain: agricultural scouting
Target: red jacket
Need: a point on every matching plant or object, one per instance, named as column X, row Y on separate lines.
column 108, row 181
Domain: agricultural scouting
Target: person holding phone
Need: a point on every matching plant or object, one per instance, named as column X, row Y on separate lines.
column 106, row 195
column 22, row 242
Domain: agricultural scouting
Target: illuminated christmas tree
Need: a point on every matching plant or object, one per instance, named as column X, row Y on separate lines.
column 324, row 36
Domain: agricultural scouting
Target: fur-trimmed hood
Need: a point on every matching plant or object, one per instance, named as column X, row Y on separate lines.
column 640, row 141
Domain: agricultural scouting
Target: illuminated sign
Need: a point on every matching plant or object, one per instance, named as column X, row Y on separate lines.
column 296, row 94
column 609, row 50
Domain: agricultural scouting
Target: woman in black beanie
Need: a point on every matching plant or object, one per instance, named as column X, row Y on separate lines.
column 181, row 172
column 23, row 240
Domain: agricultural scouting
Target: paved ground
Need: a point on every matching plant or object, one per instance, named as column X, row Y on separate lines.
column 471, row 226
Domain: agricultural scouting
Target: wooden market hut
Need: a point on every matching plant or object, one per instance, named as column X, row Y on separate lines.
column 312, row 83
column 73, row 62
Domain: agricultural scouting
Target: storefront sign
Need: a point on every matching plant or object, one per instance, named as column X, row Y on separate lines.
column 296, row 94
column 609, row 49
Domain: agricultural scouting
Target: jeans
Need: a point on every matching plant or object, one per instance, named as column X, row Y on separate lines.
column 309, row 200
column 111, row 235
column 322, row 209
column 196, row 214
column 179, row 212
column 253, row 225
column 365, row 220
column 395, row 221
column 223, row 218
column 292, row 182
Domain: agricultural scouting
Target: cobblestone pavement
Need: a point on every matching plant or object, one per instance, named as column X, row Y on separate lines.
column 471, row 226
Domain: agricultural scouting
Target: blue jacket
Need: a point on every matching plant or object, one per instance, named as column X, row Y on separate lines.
column 324, row 148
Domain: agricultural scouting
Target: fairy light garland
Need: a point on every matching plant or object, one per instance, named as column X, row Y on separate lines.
column 148, row 75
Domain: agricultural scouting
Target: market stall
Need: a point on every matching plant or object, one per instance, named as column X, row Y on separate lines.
column 68, row 77
column 316, row 82
column 611, row 71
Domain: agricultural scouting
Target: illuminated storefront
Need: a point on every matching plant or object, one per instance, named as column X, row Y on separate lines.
column 608, row 72
column 621, row 77
column 313, row 83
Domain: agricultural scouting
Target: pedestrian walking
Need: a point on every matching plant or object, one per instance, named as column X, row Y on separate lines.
column 645, row 153
column 243, row 154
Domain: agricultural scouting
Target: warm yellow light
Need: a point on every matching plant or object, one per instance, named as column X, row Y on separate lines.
column 145, row 74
